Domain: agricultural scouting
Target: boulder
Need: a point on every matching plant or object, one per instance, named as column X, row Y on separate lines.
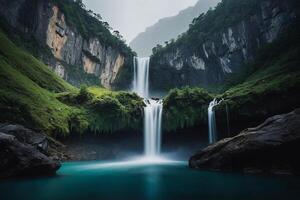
column 19, row 159
column 24, row 135
column 271, row 147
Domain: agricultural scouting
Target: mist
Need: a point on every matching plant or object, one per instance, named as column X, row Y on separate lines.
column 131, row 17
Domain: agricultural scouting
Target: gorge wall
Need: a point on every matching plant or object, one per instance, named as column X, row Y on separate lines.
column 75, row 57
column 219, row 43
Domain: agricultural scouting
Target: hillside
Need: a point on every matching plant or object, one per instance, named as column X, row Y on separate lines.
column 34, row 96
column 74, row 42
column 221, row 43
column 169, row 28
column 270, row 88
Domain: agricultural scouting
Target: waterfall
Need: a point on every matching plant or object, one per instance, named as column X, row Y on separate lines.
column 141, row 76
column 152, row 127
column 152, row 111
column 212, row 127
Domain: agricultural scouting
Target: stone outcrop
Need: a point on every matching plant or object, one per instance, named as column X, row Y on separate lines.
column 70, row 49
column 27, row 136
column 224, row 52
column 269, row 148
column 18, row 159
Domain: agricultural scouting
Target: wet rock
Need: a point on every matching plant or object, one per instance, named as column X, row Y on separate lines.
column 18, row 159
column 269, row 148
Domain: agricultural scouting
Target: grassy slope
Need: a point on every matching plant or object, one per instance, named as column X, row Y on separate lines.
column 32, row 95
column 25, row 87
column 271, row 88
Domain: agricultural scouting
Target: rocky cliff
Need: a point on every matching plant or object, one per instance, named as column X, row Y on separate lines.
column 220, row 42
column 268, row 148
column 71, row 49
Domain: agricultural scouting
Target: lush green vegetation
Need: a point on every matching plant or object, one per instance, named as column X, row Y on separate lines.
column 269, row 86
column 103, row 110
column 185, row 107
column 273, row 85
column 27, row 90
column 32, row 95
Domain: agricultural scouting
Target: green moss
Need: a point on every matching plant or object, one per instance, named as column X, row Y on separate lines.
column 34, row 69
column 186, row 107
column 32, row 95
column 106, row 111
column 25, row 102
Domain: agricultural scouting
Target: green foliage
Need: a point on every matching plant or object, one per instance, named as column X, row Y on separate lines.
column 112, row 111
column 273, row 85
column 270, row 87
column 185, row 107
column 83, row 95
column 31, row 67
column 25, row 91
column 32, row 95
column 106, row 111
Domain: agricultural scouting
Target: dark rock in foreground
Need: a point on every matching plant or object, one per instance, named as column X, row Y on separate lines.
column 272, row 147
column 25, row 135
column 19, row 159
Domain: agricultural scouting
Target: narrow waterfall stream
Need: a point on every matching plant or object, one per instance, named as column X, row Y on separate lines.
column 152, row 111
column 212, row 127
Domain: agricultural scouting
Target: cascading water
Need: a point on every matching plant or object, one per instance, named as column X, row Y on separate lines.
column 152, row 127
column 212, row 127
column 141, row 76
column 152, row 111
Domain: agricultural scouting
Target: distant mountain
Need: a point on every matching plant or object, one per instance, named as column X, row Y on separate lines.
column 168, row 28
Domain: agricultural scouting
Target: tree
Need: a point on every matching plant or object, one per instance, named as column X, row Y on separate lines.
column 98, row 16
column 106, row 25
column 80, row 3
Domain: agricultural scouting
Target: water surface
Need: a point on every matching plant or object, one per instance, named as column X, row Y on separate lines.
column 143, row 180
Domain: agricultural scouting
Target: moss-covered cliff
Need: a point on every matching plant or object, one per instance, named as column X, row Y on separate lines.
column 186, row 107
column 271, row 87
column 72, row 41
column 34, row 96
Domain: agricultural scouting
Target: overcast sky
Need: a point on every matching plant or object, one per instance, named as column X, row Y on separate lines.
column 131, row 17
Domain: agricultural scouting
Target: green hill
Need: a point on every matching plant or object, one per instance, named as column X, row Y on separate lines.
column 32, row 95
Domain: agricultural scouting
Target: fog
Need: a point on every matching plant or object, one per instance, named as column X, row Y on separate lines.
column 131, row 17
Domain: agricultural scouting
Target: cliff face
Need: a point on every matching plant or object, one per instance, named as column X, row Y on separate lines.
column 48, row 24
column 222, row 52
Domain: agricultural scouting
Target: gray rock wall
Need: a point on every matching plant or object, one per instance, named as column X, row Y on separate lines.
column 225, row 52
column 48, row 25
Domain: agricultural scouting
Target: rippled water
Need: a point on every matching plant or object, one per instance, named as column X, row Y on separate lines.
column 145, row 180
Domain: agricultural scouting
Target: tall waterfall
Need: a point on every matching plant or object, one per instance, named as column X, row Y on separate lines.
column 212, row 127
column 141, row 76
column 152, row 111
column 152, row 127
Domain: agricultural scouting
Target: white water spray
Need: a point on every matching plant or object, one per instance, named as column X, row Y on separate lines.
column 152, row 111
column 141, row 76
column 152, row 127
column 212, row 127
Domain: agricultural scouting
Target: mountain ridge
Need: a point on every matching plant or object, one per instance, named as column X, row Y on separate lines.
column 168, row 28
